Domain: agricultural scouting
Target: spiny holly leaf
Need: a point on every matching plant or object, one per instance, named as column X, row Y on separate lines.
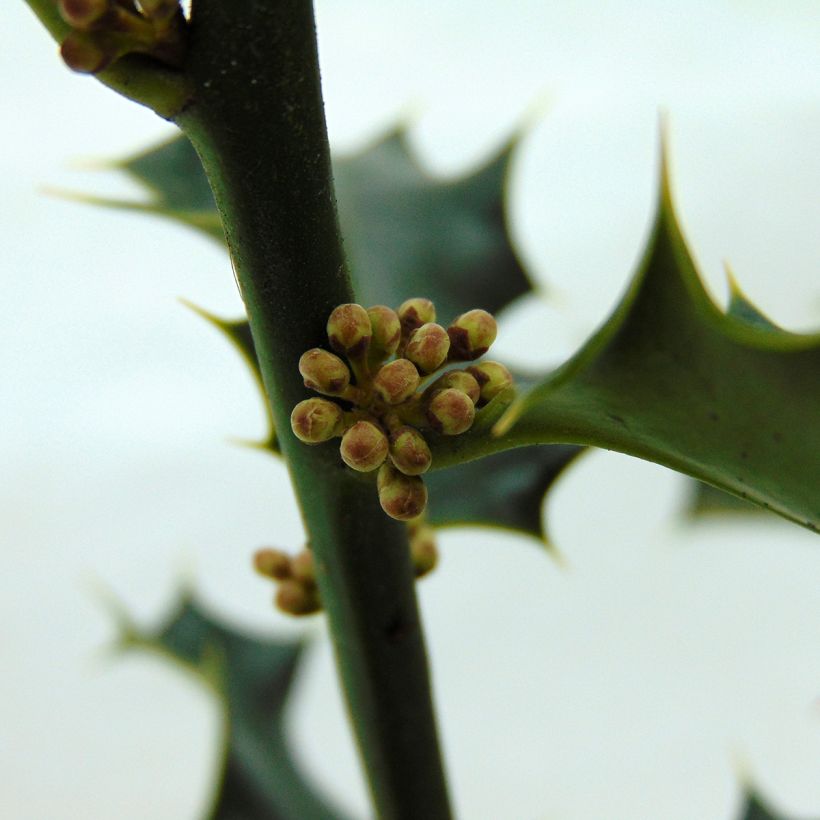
column 672, row 379
column 252, row 679
column 755, row 809
column 705, row 499
column 502, row 490
column 239, row 334
column 405, row 233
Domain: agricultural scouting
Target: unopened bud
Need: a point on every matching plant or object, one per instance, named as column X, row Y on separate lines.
column 348, row 329
column 316, row 420
column 396, row 381
column 409, row 451
column 303, row 568
column 324, row 372
column 423, row 551
column 414, row 313
column 385, row 330
column 364, row 446
column 460, row 380
column 471, row 335
column 402, row 496
column 82, row 14
column 427, row 347
column 82, row 54
column 450, row 412
column 295, row 598
column 492, row 378
column 272, row 563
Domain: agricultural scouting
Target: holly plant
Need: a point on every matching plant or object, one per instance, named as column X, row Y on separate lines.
column 380, row 396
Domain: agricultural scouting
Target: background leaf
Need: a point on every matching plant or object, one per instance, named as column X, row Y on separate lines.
column 406, row 233
column 755, row 809
column 252, row 678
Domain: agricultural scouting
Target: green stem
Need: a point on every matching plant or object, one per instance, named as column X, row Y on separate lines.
column 258, row 124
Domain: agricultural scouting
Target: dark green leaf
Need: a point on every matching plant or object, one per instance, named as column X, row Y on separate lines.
column 755, row 809
column 502, row 490
column 406, row 234
column 672, row 379
column 252, row 678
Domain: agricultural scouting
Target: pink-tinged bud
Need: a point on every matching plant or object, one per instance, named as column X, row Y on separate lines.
column 385, row 330
column 492, row 377
column 423, row 551
column 348, row 329
column 409, row 451
column 460, row 380
column 303, row 568
column 316, row 420
column 414, row 313
column 397, row 381
column 80, row 53
column 295, row 598
column 471, row 335
column 427, row 347
column 272, row 563
column 82, row 14
column 324, row 372
column 364, row 446
column 402, row 497
column 450, row 412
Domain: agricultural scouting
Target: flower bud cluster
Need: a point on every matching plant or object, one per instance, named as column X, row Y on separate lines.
column 383, row 395
column 295, row 578
column 102, row 31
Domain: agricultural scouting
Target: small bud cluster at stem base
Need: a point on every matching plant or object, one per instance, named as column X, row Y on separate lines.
column 387, row 407
column 102, row 31
column 295, row 578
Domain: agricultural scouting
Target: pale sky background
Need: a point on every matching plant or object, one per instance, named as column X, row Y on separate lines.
column 636, row 684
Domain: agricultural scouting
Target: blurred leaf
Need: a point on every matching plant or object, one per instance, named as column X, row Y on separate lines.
column 405, row 233
column 252, row 679
column 502, row 490
column 672, row 379
column 239, row 334
column 755, row 809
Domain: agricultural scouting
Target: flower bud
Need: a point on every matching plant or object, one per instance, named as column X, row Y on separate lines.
column 450, row 412
column 396, row 381
column 348, row 329
column 414, row 313
column 82, row 54
column 295, row 598
column 316, row 420
column 471, row 335
column 423, row 551
column 492, row 377
column 364, row 446
column 272, row 563
column 385, row 330
column 409, row 452
column 402, row 496
column 460, row 380
column 82, row 14
column 324, row 372
column 303, row 569
column 427, row 347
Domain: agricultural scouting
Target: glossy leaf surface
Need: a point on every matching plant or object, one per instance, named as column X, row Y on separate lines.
column 673, row 379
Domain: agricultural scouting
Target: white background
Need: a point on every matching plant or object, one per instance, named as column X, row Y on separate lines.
column 663, row 663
